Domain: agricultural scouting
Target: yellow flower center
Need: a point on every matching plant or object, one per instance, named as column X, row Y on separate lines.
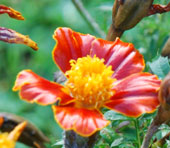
column 5, row 142
column 90, row 82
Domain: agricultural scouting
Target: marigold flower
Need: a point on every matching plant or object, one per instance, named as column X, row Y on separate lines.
column 8, row 140
column 99, row 74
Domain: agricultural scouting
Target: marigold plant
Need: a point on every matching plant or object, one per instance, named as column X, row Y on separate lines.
column 99, row 74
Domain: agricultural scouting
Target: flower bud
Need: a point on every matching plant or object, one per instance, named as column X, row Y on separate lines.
column 126, row 14
column 11, row 36
column 129, row 13
column 11, row 12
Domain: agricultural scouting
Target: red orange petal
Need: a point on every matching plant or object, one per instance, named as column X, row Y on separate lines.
column 1, row 121
column 123, row 57
column 70, row 45
column 135, row 95
column 83, row 121
column 34, row 88
column 11, row 12
column 11, row 36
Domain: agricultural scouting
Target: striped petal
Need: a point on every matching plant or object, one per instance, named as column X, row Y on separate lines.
column 123, row 57
column 135, row 95
column 83, row 121
column 70, row 45
column 34, row 88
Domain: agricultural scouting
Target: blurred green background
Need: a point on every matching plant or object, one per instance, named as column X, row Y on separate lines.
column 42, row 17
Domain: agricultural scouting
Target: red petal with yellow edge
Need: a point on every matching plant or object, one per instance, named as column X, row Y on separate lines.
column 34, row 88
column 123, row 57
column 11, row 36
column 70, row 45
column 11, row 12
column 83, row 121
column 135, row 95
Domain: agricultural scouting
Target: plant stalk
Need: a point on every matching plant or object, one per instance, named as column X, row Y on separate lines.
column 73, row 140
column 87, row 17
column 137, row 133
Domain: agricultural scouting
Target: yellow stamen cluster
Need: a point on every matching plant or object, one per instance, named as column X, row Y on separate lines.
column 90, row 82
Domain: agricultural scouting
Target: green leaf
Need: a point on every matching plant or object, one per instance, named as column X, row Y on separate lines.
column 103, row 145
column 160, row 66
column 59, row 142
column 108, row 134
column 129, row 133
column 117, row 142
column 111, row 115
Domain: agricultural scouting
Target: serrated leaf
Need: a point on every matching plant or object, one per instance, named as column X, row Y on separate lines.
column 160, row 66
column 111, row 115
column 117, row 142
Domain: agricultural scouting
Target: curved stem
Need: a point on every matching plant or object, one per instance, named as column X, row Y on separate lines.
column 151, row 131
column 113, row 33
column 91, row 22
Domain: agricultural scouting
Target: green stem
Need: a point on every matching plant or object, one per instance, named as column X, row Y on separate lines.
column 88, row 18
column 137, row 133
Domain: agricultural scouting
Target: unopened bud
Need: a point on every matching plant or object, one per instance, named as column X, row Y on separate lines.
column 11, row 36
column 128, row 13
column 11, row 12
